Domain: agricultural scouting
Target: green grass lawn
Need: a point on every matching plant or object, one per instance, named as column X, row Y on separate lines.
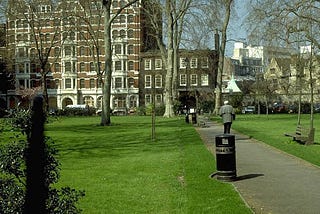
column 271, row 128
column 123, row 171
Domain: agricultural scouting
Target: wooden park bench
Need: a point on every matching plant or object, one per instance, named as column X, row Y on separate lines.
column 302, row 135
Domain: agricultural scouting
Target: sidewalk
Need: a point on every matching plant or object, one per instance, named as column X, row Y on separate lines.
column 270, row 181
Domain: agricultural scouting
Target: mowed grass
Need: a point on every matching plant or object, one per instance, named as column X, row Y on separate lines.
column 123, row 171
column 270, row 129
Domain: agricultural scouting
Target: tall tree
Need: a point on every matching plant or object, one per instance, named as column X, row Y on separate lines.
column 227, row 5
column 201, row 28
column 31, row 15
column 109, row 17
column 174, row 12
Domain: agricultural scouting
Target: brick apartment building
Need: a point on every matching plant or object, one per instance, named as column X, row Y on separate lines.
column 73, row 31
column 70, row 34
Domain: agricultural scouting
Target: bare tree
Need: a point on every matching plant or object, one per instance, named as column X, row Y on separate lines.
column 203, row 25
column 174, row 12
column 293, row 23
column 227, row 4
column 31, row 16
column 109, row 17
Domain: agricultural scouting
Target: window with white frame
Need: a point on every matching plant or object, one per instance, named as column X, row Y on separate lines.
column 147, row 64
column 148, row 99
column 122, row 19
column 204, row 80
column 118, row 82
column 122, row 33
column 117, row 65
column 158, row 81
column 193, row 79
column 82, row 67
column 82, row 83
column 183, row 62
column 204, row 62
column 115, row 34
column 67, row 51
column 147, row 81
column 158, row 64
column 130, row 33
column 130, row 82
column 117, row 49
column 133, row 101
column 130, row 49
column 67, row 67
column 82, row 51
column 183, row 79
column 67, row 83
column 193, row 63
column 130, row 19
column 92, row 83
column 130, row 65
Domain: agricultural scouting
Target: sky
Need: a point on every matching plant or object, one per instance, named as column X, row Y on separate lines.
column 236, row 31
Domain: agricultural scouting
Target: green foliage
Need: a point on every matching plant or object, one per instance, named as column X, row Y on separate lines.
column 76, row 112
column 141, row 110
column 13, row 172
column 236, row 100
column 11, row 196
column 207, row 106
column 159, row 110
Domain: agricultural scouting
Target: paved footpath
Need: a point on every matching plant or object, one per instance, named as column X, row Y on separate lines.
column 270, row 181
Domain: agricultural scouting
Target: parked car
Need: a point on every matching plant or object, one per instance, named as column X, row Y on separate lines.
column 249, row 110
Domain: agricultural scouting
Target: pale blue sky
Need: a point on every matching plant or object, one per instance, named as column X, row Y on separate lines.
column 237, row 31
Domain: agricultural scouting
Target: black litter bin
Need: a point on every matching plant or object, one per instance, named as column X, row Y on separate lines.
column 226, row 157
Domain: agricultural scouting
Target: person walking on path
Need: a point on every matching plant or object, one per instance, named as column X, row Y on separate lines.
column 227, row 114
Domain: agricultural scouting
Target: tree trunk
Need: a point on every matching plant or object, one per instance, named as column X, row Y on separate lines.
column 106, row 90
column 168, row 87
column 218, row 90
column 45, row 91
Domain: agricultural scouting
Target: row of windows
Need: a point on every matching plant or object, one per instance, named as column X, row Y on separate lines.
column 123, row 34
column 194, row 62
column 71, row 36
column 94, row 20
column 117, row 83
column 71, row 51
column 71, row 67
column 193, row 80
column 157, row 98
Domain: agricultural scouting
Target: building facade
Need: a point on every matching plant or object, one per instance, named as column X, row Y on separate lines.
column 194, row 82
column 68, row 38
column 71, row 35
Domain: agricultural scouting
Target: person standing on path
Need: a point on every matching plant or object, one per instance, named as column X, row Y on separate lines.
column 227, row 114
